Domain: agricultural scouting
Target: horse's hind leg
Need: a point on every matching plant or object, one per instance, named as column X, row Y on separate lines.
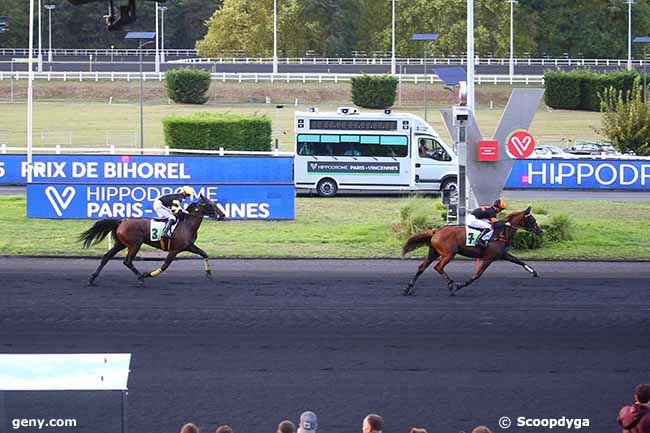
column 206, row 263
column 128, row 261
column 109, row 255
column 440, row 268
column 410, row 287
column 168, row 260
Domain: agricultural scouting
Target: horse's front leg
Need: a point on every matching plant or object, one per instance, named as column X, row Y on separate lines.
column 206, row 263
column 512, row 259
column 168, row 260
column 485, row 263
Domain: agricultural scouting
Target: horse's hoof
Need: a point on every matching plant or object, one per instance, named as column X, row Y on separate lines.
column 142, row 276
column 458, row 287
column 208, row 275
column 451, row 286
column 91, row 281
column 407, row 290
column 535, row 274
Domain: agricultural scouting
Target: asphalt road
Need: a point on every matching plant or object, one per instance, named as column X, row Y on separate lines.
column 265, row 340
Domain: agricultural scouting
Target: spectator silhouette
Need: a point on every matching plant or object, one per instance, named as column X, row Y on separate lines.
column 636, row 418
column 372, row 423
column 189, row 428
column 223, row 429
column 308, row 422
column 286, row 426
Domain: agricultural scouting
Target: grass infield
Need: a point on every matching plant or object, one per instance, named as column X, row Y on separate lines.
column 345, row 228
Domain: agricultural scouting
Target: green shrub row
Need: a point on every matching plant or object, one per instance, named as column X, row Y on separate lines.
column 558, row 228
column 211, row 131
column 187, row 86
column 581, row 89
column 374, row 91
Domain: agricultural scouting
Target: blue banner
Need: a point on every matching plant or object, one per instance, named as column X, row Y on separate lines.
column 113, row 186
column 97, row 201
column 11, row 167
column 580, row 174
column 155, row 170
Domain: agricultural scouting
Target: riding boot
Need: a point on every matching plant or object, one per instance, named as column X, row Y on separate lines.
column 481, row 242
column 167, row 231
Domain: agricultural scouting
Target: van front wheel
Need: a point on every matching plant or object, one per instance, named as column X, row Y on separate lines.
column 327, row 188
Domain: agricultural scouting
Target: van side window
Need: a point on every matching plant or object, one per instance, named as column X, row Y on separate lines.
column 353, row 145
column 430, row 148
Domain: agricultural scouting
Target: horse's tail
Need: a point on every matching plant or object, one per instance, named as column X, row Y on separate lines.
column 99, row 231
column 417, row 241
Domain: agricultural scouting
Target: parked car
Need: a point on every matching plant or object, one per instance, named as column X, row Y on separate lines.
column 592, row 148
column 549, row 151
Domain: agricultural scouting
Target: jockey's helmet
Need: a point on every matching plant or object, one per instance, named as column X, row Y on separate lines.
column 500, row 204
column 187, row 191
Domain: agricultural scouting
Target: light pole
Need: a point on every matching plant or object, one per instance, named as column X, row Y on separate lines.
column 40, row 38
column 470, row 54
column 629, row 34
column 427, row 38
column 512, row 38
column 30, row 92
column 275, row 36
column 392, row 59
column 140, row 37
column 49, row 28
column 162, row 33
column 157, row 56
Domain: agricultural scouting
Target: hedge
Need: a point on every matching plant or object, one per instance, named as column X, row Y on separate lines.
column 210, row 131
column 187, row 86
column 374, row 91
column 562, row 90
column 581, row 89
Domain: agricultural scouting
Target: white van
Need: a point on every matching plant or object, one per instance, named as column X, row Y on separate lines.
column 348, row 150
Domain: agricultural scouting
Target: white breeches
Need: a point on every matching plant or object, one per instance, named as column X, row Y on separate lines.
column 162, row 211
column 476, row 223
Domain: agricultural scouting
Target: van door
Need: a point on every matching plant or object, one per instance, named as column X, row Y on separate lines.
column 432, row 163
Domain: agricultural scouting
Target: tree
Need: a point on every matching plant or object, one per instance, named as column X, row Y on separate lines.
column 626, row 119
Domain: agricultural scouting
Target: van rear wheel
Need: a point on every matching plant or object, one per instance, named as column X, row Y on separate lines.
column 327, row 188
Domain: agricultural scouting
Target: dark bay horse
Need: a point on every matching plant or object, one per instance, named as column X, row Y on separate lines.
column 447, row 241
column 131, row 234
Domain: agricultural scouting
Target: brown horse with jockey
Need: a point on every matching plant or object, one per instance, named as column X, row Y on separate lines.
column 131, row 234
column 448, row 241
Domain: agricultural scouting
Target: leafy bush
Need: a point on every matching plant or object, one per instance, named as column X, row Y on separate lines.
column 526, row 241
column 374, row 91
column 415, row 216
column 187, row 86
column 211, row 131
column 558, row 228
column 626, row 119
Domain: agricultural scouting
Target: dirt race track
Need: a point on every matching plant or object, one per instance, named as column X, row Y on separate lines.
column 267, row 339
